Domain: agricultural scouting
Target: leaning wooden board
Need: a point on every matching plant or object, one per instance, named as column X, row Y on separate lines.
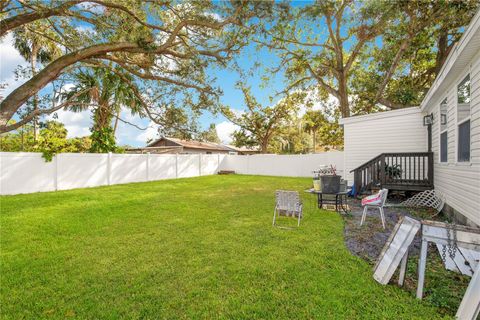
column 395, row 249
column 470, row 306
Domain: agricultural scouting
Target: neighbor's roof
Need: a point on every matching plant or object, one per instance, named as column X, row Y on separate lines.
column 458, row 59
column 192, row 144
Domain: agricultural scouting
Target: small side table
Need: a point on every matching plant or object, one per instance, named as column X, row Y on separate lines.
column 338, row 199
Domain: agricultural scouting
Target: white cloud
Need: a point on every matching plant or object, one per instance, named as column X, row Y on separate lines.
column 92, row 7
column 224, row 131
column 148, row 135
column 10, row 59
column 237, row 112
column 318, row 104
column 77, row 123
column 133, row 136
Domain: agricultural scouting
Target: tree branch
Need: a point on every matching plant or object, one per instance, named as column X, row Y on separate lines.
column 38, row 112
column 24, row 18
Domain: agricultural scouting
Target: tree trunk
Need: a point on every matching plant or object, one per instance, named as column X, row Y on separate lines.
column 22, row 137
column 102, row 117
column 33, row 64
column 442, row 53
column 393, row 66
column 344, row 105
column 264, row 146
column 343, row 95
column 314, row 141
column 116, row 122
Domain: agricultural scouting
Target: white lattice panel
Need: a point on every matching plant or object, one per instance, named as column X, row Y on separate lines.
column 428, row 198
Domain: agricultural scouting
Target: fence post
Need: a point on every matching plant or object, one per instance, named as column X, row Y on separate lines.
column 148, row 166
column 176, row 165
column 109, row 168
column 55, row 172
column 199, row 164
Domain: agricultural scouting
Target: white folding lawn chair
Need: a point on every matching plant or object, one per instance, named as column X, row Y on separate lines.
column 287, row 203
column 375, row 201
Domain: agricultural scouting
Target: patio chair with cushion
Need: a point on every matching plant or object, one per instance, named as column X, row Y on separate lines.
column 287, row 203
column 375, row 201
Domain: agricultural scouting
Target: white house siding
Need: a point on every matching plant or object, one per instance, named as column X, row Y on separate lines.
column 459, row 182
column 365, row 137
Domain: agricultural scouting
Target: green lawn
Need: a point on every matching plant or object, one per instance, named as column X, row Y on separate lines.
column 184, row 249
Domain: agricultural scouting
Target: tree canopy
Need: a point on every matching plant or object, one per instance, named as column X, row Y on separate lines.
column 154, row 58
column 364, row 53
column 259, row 124
column 165, row 46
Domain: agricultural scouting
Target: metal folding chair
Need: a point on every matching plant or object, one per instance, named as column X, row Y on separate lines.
column 287, row 203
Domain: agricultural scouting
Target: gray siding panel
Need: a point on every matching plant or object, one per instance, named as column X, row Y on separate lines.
column 459, row 182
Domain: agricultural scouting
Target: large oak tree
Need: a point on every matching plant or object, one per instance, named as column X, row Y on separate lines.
column 356, row 51
column 166, row 46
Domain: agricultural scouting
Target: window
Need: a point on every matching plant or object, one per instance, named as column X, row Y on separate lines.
column 463, row 120
column 443, row 131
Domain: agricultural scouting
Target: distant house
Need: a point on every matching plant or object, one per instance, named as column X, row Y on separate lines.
column 174, row 145
column 436, row 145
column 242, row 150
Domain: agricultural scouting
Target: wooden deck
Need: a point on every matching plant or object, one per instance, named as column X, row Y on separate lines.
column 405, row 171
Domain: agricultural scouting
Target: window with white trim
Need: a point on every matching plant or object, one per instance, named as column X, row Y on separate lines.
column 443, row 131
column 463, row 120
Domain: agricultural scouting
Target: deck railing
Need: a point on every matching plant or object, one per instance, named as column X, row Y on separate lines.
column 398, row 171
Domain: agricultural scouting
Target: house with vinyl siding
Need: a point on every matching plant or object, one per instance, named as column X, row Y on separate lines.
column 437, row 144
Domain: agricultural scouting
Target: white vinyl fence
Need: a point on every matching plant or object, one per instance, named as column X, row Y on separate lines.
column 22, row 172
column 25, row 172
column 300, row 165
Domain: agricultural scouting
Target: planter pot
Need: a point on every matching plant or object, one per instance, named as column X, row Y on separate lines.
column 330, row 184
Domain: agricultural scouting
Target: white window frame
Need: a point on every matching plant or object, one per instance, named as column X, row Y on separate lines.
column 458, row 123
column 442, row 131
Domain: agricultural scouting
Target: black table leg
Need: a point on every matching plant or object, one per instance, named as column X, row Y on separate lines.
column 344, row 207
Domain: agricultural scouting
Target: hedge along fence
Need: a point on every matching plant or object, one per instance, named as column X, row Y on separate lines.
column 23, row 172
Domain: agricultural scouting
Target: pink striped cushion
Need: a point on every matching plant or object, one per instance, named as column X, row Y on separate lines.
column 374, row 199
